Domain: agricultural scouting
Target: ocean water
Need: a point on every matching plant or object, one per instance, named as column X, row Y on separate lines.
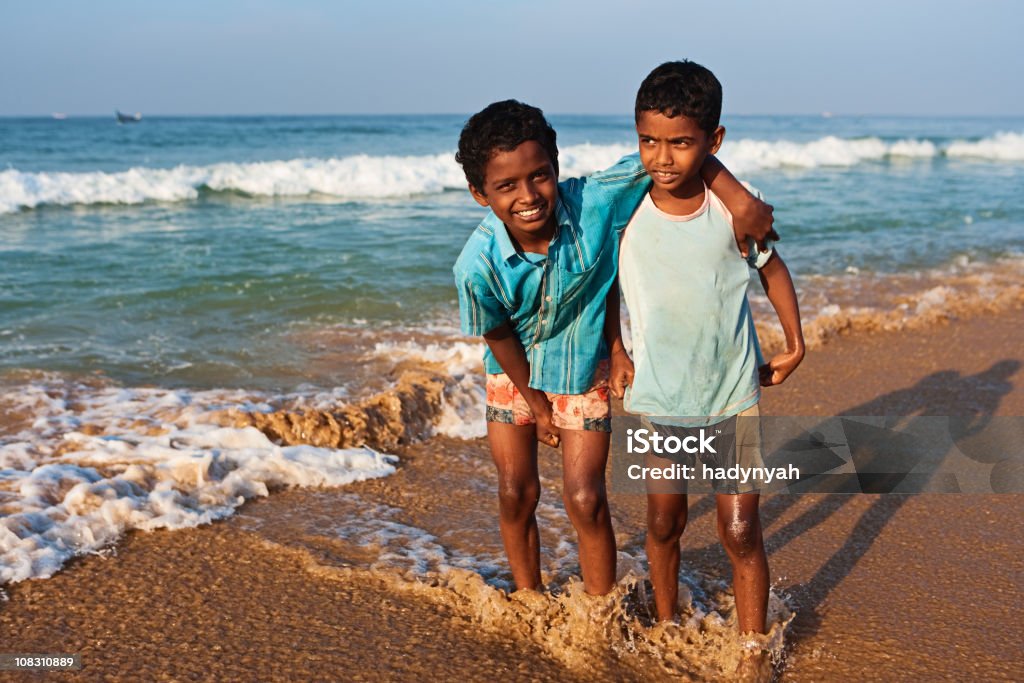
column 204, row 252
column 167, row 286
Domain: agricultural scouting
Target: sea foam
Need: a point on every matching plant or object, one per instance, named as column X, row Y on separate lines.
column 999, row 147
column 93, row 463
column 379, row 177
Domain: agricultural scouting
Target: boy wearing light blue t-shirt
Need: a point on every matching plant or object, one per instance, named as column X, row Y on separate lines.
column 697, row 360
column 533, row 280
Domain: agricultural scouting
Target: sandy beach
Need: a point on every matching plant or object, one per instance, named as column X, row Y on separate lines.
column 242, row 391
column 881, row 587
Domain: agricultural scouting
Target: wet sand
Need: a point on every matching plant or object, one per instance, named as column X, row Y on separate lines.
column 884, row 587
column 905, row 587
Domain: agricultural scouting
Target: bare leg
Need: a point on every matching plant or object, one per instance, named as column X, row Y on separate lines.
column 514, row 449
column 666, row 520
column 739, row 528
column 584, row 456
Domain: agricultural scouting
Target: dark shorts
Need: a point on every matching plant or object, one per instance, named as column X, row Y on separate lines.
column 737, row 442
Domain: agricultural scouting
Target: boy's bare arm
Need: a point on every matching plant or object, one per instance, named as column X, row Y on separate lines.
column 751, row 216
column 511, row 356
column 621, row 374
column 778, row 285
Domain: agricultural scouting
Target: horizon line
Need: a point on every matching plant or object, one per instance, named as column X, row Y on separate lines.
column 821, row 114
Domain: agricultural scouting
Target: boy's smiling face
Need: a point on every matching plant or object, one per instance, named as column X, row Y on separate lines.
column 521, row 187
column 672, row 149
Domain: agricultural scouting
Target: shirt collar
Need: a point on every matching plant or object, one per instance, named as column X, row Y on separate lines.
column 506, row 247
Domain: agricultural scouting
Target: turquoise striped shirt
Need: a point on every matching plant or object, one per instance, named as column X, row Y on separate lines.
column 555, row 305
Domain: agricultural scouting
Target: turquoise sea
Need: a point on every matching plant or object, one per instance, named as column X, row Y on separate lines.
column 230, row 251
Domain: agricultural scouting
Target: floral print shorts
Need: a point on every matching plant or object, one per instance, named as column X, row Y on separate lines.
column 590, row 412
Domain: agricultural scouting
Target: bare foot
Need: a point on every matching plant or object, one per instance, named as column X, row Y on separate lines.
column 755, row 667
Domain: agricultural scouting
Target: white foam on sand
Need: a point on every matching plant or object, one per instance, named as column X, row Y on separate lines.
column 568, row 624
column 413, row 552
column 97, row 462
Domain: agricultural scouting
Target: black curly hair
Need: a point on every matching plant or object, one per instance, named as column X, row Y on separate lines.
column 682, row 88
column 502, row 126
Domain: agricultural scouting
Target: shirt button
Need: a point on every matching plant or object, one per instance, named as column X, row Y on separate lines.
column 543, row 320
column 536, row 346
column 547, row 298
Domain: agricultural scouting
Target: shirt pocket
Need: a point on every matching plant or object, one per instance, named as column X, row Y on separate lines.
column 588, row 281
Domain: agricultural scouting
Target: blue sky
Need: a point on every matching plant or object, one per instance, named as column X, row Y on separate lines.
column 312, row 56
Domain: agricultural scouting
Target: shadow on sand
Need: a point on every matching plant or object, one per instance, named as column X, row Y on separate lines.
column 948, row 393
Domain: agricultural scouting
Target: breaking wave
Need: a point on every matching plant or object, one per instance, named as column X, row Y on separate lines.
column 379, row 177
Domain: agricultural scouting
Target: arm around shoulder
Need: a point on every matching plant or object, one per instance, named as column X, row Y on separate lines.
column 618, row 190
column 752, row 217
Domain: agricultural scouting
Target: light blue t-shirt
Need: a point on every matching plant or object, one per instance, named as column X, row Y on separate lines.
column 694, row 344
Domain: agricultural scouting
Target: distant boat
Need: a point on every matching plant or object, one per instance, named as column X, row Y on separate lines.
column 127, row 118
column 60, row 116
